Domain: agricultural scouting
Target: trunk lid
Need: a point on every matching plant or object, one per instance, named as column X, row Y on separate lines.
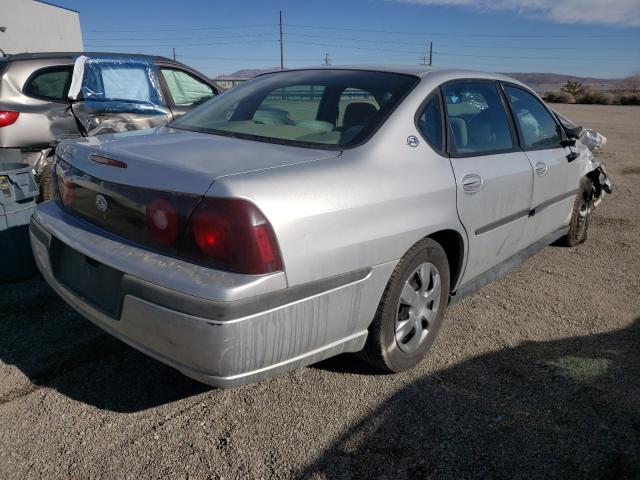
column 174, row 160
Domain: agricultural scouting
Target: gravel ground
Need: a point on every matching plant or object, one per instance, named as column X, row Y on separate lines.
column 536, row 376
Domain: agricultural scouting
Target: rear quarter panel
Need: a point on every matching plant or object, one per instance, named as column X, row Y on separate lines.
column 363, row 208
column 40, row 122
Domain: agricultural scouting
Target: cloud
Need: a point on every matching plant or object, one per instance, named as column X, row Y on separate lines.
column 611, row 12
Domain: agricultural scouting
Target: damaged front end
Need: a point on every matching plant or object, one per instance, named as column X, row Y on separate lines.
column 600, row 183
column 592, row 143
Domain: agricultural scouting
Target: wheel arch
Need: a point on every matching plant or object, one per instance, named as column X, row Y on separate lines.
column 453, row 244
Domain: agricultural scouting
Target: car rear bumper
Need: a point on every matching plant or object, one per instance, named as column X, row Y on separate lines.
column 236, row 330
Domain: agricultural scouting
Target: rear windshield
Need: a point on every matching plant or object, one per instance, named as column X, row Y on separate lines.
column 319, row 108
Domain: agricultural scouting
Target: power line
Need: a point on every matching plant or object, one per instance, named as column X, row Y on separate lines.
column 183, row 29
column 520, row 57
column 274, row 59
column 427, row 33
column 353, row 47
column 208, row 37
column 183, row 44
column 351, row 39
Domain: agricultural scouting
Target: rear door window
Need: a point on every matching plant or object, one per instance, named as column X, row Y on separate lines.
column 51, row 83
column 185, row 89
column 121, row 81
column 126, row 84
column 476, row 118
column 537, row 127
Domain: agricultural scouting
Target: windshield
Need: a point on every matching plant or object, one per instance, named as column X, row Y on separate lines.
column 326, row 108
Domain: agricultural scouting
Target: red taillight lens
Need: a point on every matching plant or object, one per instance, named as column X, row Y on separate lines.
column 212, row 233
column 65, row 183
column 7, row 117
column 162, row 221
column 232, row 234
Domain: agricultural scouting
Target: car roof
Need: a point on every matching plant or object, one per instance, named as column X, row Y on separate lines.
column 73, row 55
column 416, row 70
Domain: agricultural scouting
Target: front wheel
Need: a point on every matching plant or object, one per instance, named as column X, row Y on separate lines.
column 411, row 310
column 580, row 215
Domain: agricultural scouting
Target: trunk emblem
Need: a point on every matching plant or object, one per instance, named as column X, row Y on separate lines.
column 101, row 203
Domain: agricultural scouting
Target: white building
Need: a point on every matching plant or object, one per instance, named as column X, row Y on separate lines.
column 35, row 26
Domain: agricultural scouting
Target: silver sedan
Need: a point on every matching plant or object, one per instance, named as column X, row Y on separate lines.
column 311, row 212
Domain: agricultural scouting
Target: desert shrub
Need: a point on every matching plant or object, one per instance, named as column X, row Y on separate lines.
column 560, row 97
column 630, row 99
column 572, row 87
column 595, row 98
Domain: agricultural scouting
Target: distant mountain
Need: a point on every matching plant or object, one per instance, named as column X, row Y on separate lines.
column 545, row 82
column 248, row 73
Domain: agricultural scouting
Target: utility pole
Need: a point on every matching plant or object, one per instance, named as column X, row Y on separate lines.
column 174, row 53
column 327, row 60
column 281, row 45
column 430, row 52
column 424, row 60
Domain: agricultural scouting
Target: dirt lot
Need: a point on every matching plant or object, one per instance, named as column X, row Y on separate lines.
column 536, row 376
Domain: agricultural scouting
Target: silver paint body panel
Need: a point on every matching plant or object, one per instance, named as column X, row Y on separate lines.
column 333, row 212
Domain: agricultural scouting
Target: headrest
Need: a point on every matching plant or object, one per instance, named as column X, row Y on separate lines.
column 459, row 131
column 358, row 113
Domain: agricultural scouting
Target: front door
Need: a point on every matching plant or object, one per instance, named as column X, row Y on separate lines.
column 555, row 180
column 494, row 178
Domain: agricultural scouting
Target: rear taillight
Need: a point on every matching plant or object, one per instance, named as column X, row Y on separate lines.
column 232, row 234
column 162, row 221
column 225, row 233
column 7, row 117
column 64, row 182
column 5, row 188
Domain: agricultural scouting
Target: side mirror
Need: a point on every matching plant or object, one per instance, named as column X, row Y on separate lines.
column 573, row 132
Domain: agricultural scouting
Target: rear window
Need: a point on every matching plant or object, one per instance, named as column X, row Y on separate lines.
column 51, row 83
column 319, row 108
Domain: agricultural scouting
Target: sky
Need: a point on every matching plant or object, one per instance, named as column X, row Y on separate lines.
column 598, row 38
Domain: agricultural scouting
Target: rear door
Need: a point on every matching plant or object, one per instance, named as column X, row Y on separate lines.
column 118, row 94
column 555, row 180
column 184, row 90
column 494, row 178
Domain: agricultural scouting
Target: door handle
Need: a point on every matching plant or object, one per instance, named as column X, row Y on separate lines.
column 541, row 168
column 471, row 183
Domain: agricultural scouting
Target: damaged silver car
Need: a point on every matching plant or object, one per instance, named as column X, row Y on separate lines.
column 49, row 97
column 309, row 213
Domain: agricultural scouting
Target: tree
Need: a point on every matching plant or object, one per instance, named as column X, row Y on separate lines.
column 573, row 87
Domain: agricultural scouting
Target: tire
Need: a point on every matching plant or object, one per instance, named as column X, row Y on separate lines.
column 582, row 208
column 391, row 346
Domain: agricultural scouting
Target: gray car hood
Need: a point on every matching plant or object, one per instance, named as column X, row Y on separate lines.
column 180, row 160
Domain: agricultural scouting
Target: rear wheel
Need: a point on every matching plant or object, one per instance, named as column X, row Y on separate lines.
column 581, row 213
column 411, row 310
